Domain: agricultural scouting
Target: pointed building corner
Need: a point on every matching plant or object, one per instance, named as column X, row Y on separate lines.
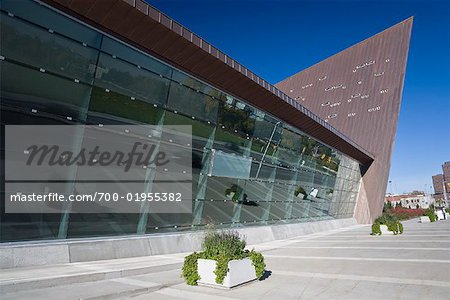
column 358, row 91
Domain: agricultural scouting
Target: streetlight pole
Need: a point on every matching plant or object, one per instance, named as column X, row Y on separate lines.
column 445, row 192
column 267, row 148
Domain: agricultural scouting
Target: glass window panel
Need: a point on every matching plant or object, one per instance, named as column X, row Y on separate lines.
column 292, row 140
column 277, row 211
column 287, row 157
column 127, row 79
column 280, row 192
column 23, row 227
column 217, row 212
column 285, row 176
column 237, row 119
column 258, row 191
column 266, row 131
column 308, row 146
column 267, row 127
column 32, row 45
column 43, row 16
column 28, row 89
column 262, row 171
column 230, row 165
column 84, row 225
column 167, row 222
column 114, row 108
column 252, row 212
column 229, row 142
column 201, row 131
column 305, row 176
column 300, row 208
column 195, row 173
column 192, row 103
column 197, row 85
column 223, row 188
column 118, row 49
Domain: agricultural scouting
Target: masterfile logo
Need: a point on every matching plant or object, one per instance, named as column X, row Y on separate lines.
column 95, row 169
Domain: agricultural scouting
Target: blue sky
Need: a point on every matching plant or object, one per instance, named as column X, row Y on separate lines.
column 277, row 39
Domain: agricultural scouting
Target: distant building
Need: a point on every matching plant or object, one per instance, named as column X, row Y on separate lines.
column 409, row 200
column 441, row 185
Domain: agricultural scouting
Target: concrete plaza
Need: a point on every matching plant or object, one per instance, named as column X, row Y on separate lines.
column 345, row 263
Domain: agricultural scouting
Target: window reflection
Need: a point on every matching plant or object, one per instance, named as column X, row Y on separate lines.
column 37, row 47
column 122, row 77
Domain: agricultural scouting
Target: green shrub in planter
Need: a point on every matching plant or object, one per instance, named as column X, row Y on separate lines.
column 376, row 229
column 189, row 270
column 430, row 213
column 235, row 192
column 391, row 221
column 225, row 243
column 258, row 262
column 222, row 247
column 386, row 218
column 299, row 191
column 394, row 227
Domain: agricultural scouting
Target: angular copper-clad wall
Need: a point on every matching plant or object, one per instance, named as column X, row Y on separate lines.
column 358, row 91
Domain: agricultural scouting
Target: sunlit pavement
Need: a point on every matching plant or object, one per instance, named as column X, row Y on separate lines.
column 346, row 263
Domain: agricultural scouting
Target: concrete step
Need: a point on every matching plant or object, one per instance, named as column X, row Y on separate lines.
column 116, row 288
column 23, row 279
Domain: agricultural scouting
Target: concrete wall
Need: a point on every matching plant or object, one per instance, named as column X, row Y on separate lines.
column 26, row 254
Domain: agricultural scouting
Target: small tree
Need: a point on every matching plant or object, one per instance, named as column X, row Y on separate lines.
column 387, row 206
column 416, row 192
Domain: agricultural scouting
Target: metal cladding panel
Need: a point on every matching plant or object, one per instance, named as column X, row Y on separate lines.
column 358, row 91
column 438, row 181
column 446, row 171
column 161, row 37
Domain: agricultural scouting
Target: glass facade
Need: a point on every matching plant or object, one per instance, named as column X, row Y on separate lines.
column 249, row 168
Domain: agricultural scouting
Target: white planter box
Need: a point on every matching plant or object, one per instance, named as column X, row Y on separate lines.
column 301, row 196
column 424, row 219
column 384, row 230
column 440, row 215
column 239, row 272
